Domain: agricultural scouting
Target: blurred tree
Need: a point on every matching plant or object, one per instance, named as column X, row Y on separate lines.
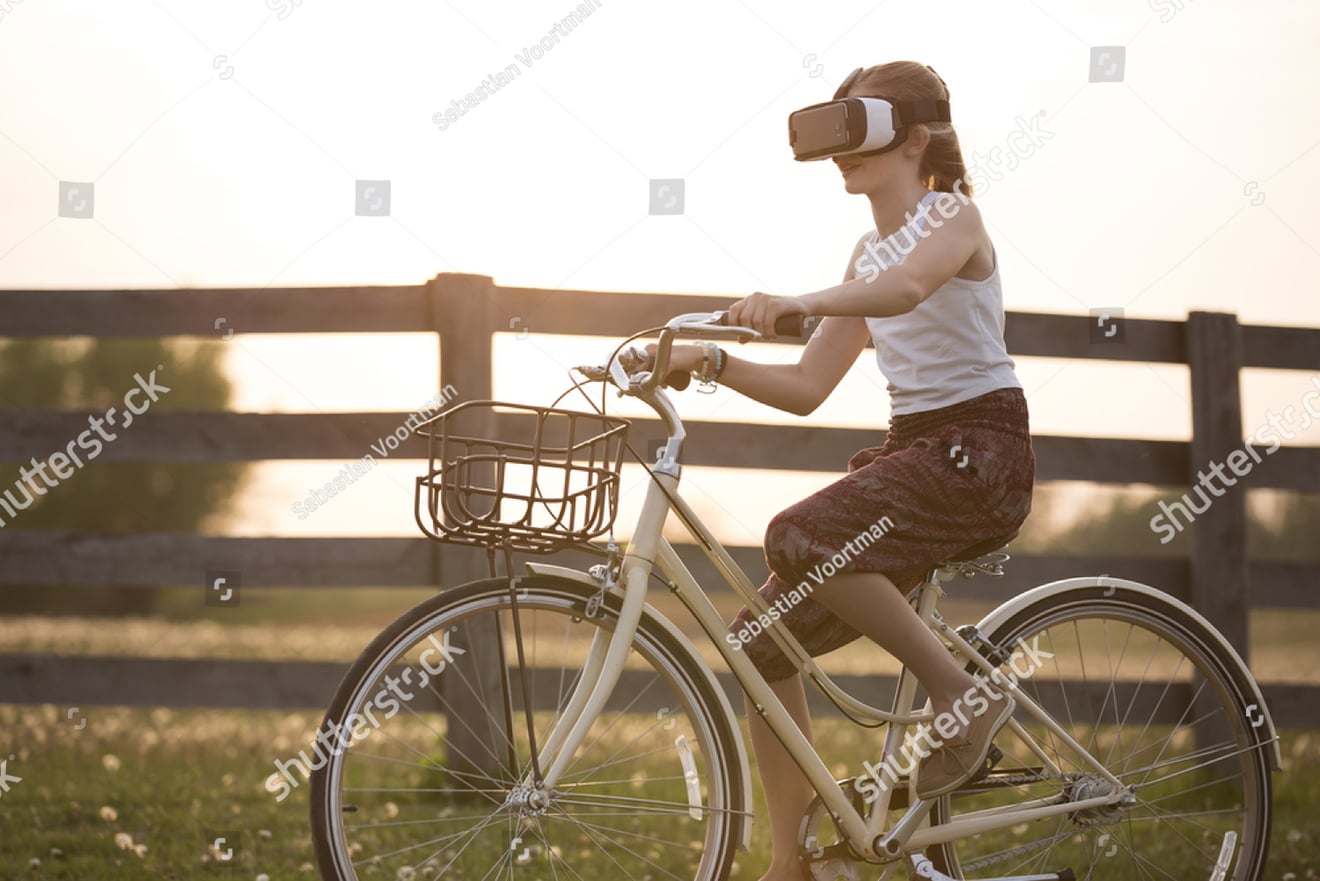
column 93, row 375
column 1118, row 524
column 1290, row 536
column 1280, row 526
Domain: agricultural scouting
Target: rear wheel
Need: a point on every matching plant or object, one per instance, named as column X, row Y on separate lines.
column 1144, row 687
column 437, row 786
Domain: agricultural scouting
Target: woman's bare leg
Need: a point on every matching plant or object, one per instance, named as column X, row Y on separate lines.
column 871, row 603
column 787, row 792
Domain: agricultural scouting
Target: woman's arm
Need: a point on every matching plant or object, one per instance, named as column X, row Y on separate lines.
column 937, row 257
column 797, row 388
column 800, row 388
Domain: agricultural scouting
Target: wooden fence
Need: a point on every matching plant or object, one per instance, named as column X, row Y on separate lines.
column 465, row 311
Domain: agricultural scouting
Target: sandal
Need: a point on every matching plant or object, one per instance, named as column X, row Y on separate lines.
column 956, row 762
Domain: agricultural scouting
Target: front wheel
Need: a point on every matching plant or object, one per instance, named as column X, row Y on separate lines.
column 1145, row 689
column 431, row 780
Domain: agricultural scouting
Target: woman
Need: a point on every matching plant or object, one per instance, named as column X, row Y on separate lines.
column 957, row 467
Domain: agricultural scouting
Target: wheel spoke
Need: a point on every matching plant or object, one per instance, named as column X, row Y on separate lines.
column 623, row 808
column 1149, row 679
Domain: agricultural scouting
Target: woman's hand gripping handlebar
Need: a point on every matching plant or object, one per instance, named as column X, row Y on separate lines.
column 639, row 370
column 636, row 370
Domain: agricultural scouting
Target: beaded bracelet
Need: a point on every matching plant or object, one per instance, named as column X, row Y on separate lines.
column 704, row 374
column 713, row 361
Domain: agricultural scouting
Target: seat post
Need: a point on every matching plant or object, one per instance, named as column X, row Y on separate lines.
column 929, row 593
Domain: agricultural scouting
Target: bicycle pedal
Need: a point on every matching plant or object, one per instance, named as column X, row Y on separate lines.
column 991, row 759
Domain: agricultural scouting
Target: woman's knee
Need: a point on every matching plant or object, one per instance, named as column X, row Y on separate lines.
column 788, row 541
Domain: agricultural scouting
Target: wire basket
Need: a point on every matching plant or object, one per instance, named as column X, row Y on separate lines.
column 551, row 480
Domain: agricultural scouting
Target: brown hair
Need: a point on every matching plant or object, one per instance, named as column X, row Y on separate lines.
column 942, row 163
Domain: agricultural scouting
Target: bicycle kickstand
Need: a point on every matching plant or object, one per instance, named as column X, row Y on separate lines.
column 924, row 868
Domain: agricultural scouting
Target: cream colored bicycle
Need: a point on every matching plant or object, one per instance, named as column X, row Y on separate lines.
column 549, row 723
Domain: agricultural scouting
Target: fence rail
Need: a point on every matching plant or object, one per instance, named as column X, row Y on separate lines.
column 465, row 311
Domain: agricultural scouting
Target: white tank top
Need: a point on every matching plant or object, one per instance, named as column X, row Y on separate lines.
column 950, row 348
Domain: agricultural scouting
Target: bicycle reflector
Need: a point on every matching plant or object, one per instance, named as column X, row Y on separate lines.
column 861, row 126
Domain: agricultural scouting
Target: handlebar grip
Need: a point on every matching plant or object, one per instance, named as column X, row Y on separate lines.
column 797, row 325
column 677, row 379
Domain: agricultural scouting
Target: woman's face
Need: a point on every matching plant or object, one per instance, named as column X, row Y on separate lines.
column 874, row 174
column 868, row 174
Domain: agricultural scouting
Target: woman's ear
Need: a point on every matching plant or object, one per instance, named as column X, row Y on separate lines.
column 917, row 139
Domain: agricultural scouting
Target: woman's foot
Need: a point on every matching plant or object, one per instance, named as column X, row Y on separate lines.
column 959, row 758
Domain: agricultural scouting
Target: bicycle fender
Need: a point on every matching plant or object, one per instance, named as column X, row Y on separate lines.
column 1000, row 615
column 744, row 776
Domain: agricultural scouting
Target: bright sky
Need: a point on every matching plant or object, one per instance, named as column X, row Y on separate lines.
column 225, row 143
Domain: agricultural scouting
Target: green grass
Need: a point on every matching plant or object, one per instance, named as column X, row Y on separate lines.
column 172, row 780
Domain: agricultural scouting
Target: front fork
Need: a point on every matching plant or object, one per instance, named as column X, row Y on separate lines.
column 607, row 654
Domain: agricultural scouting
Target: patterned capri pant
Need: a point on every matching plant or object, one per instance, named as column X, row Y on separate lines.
column 945, row 479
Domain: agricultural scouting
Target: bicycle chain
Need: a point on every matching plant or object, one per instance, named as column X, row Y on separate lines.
column 825, row 856
column 1019, row 851
column 1021, row 779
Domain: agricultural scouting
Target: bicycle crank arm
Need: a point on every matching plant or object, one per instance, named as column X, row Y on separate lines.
column 924, row 868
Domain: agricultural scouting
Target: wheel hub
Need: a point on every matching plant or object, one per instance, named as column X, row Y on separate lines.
column 526, row 800
column 1090, row 786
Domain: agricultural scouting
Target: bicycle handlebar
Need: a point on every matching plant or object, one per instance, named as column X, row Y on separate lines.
column 634, row 371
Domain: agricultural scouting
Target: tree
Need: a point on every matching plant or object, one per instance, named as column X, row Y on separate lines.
column 1289, row 537
column 1280, row 526
column 106, row 497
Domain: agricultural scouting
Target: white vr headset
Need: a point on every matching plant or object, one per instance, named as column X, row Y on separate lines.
column 857, row 126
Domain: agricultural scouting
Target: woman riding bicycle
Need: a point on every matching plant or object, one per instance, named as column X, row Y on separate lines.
column 957, row 466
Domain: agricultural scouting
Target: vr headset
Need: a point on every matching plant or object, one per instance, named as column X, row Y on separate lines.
column 857, row 126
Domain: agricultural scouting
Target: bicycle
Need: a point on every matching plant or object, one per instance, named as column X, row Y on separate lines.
column 571, row 731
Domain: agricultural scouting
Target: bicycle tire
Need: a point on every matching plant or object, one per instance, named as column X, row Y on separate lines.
column 629, row 811
column 1148, row 839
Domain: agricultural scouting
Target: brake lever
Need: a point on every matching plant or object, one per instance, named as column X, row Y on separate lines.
column 633, row 361
column 640, row 359
column 596, row 373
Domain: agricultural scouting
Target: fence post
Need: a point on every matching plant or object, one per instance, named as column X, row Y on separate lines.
column 461, row 308
column 1218, row 566
column 1219, row 588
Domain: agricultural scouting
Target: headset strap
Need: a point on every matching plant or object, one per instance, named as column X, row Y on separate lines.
column 847, row 81
column 925, row 110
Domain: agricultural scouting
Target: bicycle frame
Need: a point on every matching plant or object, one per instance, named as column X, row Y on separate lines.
column 605, row 661
column 648, row 548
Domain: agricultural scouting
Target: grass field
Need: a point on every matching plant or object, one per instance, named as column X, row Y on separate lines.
column 143, row 793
